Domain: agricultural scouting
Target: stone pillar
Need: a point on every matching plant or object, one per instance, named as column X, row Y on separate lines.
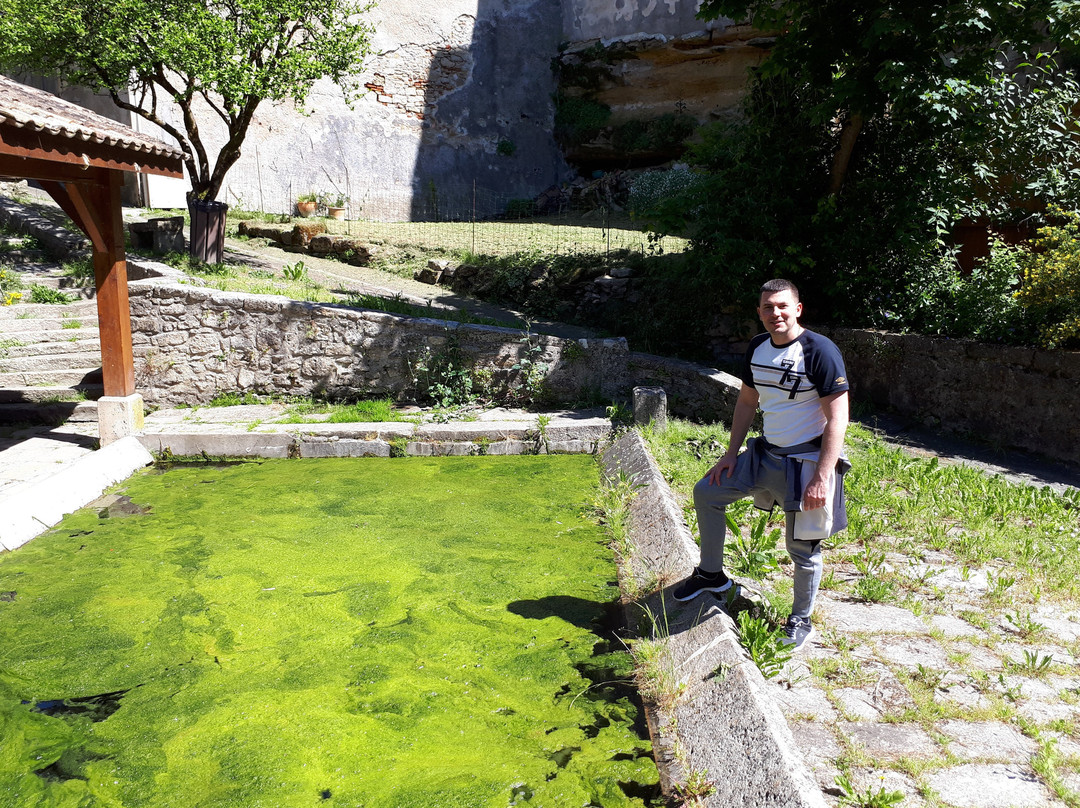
column 118, row 417
column 650, row 404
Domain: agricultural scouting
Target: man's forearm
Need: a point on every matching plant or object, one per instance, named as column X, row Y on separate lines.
column 832, row 439
column 741, row 421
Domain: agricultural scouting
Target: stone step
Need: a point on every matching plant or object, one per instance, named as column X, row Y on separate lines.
column 73, row 378
column 51, row 413
column 80, row 309
column 54, row 342
column 28, row 327
column 23, row 256
column 45, row 395
column 56, row 361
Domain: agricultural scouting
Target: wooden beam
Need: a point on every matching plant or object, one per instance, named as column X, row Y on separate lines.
column 102, row 206
column 59, row 153
column 60, row 192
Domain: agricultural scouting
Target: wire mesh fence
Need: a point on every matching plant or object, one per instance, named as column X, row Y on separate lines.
column 468, row 218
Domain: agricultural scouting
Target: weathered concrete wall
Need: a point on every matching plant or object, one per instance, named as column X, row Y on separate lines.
column 1015, row 397
column 192, row 344
column 448, row 83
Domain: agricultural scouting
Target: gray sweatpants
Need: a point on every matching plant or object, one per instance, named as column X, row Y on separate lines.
column 711, row 501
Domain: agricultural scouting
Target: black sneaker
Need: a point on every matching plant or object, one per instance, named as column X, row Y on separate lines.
column 699, row 582
column 797, row 630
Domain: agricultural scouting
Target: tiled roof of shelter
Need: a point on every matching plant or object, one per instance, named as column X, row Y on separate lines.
column 38, row 111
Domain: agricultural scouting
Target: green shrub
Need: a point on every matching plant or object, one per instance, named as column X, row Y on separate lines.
column 520, row 208
column 46, row 294
column 1050, row 295
column 579, row 120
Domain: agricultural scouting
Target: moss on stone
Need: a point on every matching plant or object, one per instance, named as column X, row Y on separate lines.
column 290, row 633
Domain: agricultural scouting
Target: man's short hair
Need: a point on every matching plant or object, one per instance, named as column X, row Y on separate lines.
column 779, row 285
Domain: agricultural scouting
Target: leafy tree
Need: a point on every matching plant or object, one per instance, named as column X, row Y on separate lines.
column 869, row 131
column 213, row 59
column 875, row 58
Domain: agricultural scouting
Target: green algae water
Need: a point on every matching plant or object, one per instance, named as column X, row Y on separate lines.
column 407, row 632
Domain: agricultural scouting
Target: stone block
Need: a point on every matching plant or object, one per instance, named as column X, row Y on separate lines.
column 344, row 448
column 304, row 232
column 161, row 235
column 455, row 449
column 249, row 444
column 1057, row 364
column 571, row 447
column 650, row 406
column 507, row 447
column 119, row 417
column 988, row 785
column 427, row 275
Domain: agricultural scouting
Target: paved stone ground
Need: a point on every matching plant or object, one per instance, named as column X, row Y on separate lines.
column 940, row 700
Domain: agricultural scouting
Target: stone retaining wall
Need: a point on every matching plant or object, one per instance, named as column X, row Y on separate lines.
column 1011, row 396
column 192, row 344
column 723, row 724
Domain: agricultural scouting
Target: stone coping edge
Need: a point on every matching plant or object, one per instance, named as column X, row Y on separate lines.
column 721, row 722
column 383, row 440
column 29, row 509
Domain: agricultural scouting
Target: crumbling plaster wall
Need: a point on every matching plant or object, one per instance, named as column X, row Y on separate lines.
column 448, row 83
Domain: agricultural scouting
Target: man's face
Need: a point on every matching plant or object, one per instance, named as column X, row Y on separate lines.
column 779, row 313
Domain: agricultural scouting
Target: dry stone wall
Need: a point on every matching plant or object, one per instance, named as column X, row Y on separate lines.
column 1011, row 396
column 192, row 344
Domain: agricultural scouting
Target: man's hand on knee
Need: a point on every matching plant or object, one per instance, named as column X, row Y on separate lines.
column 724, row 464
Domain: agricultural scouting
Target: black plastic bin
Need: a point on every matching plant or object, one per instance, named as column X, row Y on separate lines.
column 207, row 242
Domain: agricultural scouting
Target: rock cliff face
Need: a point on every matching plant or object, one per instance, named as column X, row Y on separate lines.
column 646, row 93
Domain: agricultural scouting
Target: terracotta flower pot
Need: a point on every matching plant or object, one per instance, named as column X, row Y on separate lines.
column 307, row 208
column 335, row 213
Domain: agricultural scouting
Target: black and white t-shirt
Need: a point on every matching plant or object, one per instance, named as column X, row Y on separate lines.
column 790, row 381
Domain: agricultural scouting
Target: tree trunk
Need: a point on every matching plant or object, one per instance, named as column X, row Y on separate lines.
column 842, row 159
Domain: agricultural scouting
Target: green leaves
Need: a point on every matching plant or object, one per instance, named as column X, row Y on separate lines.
column 232, row 54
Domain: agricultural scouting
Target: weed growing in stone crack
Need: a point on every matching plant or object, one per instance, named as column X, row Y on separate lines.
column 873, row 589
column 999, row 586
column 696, row 789
column 611, row 505
column 1028, row 626
column 529, row 383
column 443, row 376
column 754, row 555
column 654, row 672
column 1033, row 663
column 1046, row 763
column 764, row 644
column 854, row 798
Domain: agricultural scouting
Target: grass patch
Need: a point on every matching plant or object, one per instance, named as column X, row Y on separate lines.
column 367, row 411
column 81, row 269
column 398, row 305
column 382, row 632
column 974, row 517
column 584, row 233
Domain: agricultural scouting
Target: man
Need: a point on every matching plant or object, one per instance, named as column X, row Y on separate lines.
column 797, row 378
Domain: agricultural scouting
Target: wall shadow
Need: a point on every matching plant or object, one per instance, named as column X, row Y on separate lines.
column 488, row 115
